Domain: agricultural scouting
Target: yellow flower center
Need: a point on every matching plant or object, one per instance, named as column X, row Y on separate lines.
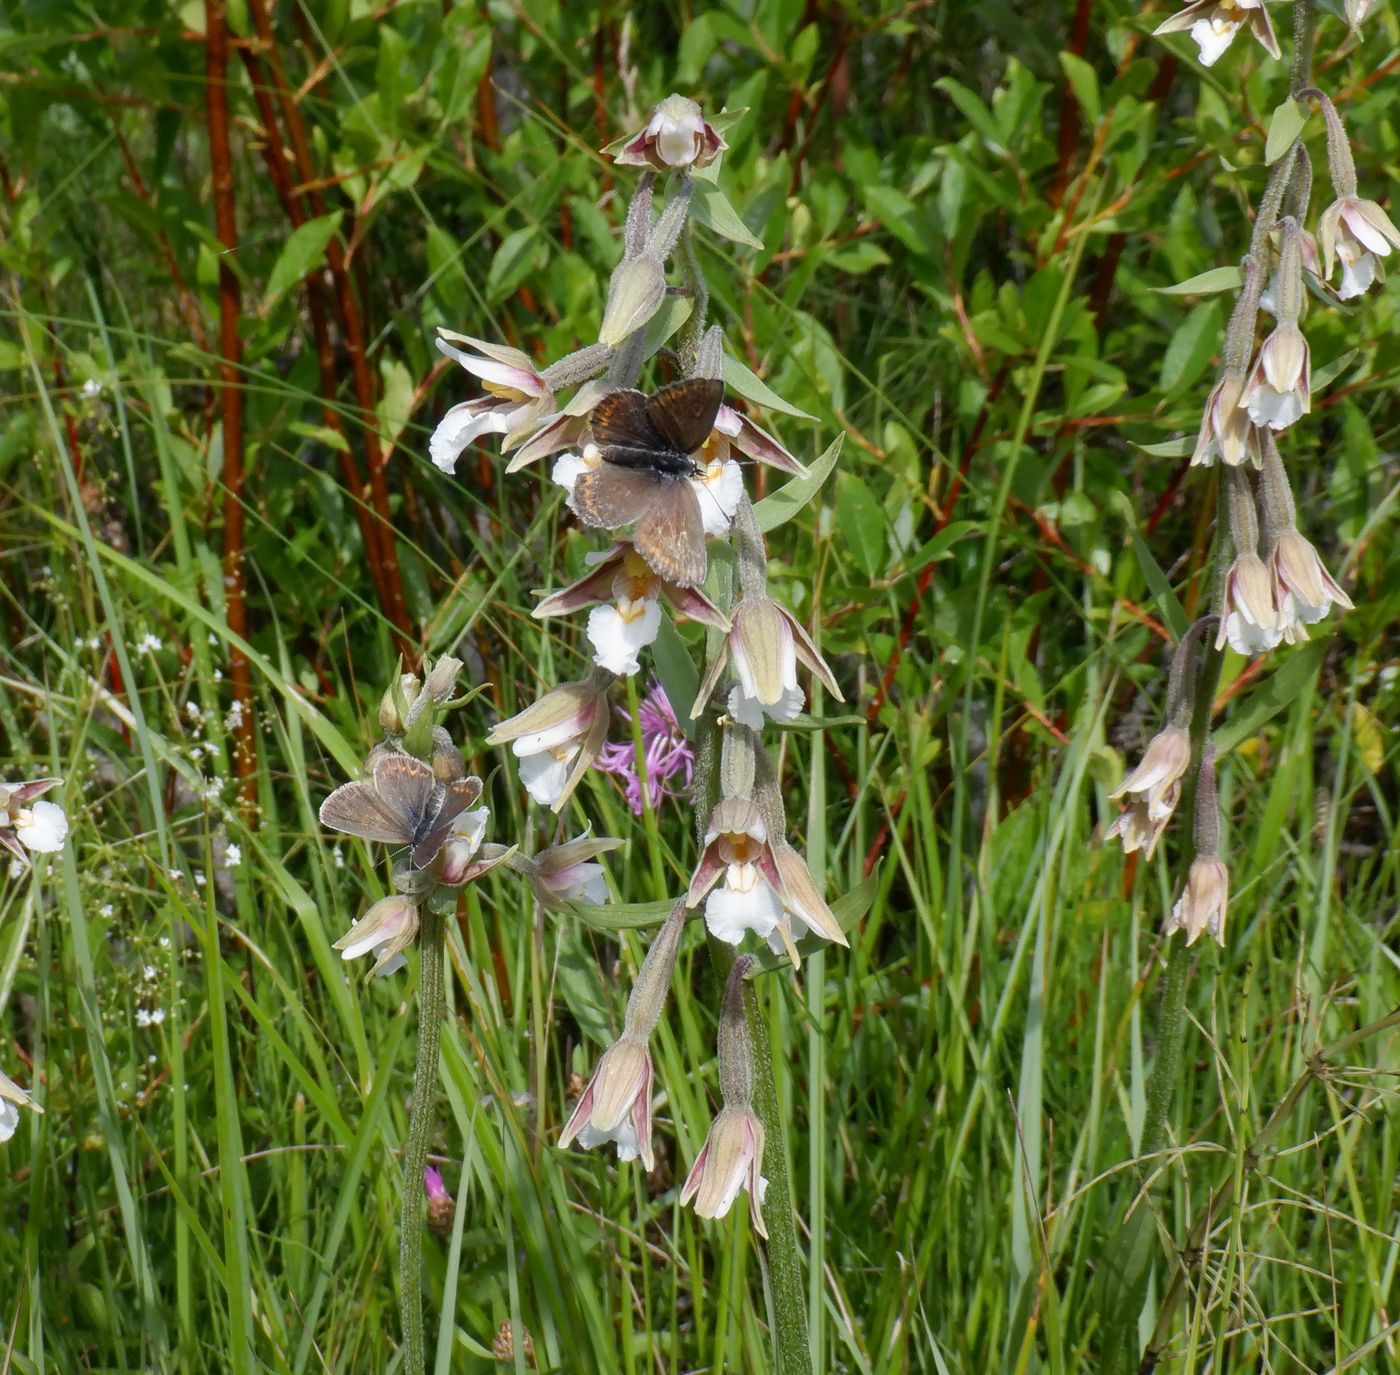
column 504, row 392
column 634, row 585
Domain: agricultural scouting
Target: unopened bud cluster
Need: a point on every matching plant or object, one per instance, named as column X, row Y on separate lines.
column 661, row 470
column 414, row 793
column 1272, row 583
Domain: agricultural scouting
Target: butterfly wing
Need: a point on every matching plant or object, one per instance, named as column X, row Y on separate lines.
column 623, row 428
column 455, row 798
column 407, row 789
column 670, row 535
column 610, row 496
column 684, row 412
column 358, row 810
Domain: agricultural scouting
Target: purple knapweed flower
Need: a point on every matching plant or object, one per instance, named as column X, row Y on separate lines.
column 666, row 750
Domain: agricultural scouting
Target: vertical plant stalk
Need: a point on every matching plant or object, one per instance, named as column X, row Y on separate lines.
column 791, row 1347
column 420, row 1127
column 216, row 51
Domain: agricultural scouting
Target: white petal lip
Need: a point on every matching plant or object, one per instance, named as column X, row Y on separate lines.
column 624, row 1135
column 459, row 427
column 544, row 776
column 9, row 1119
column 1276, row 409
column 1212, row 38
column 1356, row 276
column 1246, row 637
column 392, row 965
column 749, row 711
column 47, row 829
column 729, row 914
column 616, row 640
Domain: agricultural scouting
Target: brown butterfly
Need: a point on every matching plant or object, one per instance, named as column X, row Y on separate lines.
column 646, row 443
column 404, row 804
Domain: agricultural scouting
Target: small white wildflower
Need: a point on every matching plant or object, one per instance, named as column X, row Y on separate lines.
column 233, row 857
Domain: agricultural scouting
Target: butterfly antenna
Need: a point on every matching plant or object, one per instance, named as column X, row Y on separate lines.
column 707, row 495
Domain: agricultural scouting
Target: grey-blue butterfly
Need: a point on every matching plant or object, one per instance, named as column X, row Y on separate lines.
column 402, row 803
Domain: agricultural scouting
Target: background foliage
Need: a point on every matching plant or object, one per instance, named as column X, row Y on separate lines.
column 968, row 216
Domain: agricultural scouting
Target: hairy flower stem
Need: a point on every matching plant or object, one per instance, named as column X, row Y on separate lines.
column 791, row 1350
column 1303, row 24
column 420, row 1126
column 791, row 1347
column 694, row 328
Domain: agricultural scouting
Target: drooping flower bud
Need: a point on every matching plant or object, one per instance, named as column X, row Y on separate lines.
column 447, row 761
column 558, row 737
column 1226, row 427
column 397, row 702
column 635, row 294
column 565, row 873
column 732, row 1156
column 1355, row 231
column 1155, row 782
column 388, row 929
column 616, row 1105
column 1248, row 620
column 765, row 643
column 1201, row 906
